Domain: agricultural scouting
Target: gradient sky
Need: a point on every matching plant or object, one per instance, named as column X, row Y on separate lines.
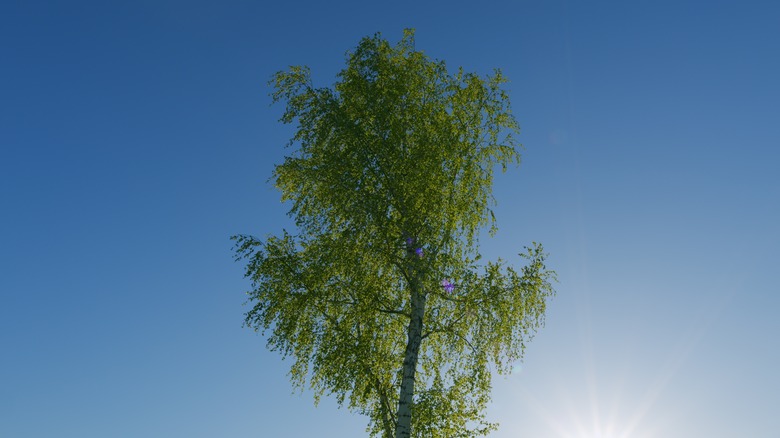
column 136, row 137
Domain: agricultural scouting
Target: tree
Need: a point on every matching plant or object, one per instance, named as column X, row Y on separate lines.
column 380, row 298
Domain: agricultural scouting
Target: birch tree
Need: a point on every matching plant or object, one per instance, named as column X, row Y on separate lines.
column 379, row 296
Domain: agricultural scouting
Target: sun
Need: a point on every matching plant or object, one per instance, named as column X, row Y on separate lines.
column 600, row 389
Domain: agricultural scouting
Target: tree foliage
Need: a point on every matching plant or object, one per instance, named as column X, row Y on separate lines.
column 380, row 298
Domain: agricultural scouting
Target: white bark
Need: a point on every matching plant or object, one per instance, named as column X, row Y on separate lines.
column 403, row 427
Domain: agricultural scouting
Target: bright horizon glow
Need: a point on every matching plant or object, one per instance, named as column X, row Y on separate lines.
column 591, row 416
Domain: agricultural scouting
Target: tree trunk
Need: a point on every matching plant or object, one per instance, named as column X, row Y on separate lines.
column 403, row 428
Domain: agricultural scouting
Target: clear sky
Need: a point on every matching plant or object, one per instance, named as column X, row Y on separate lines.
column 136, row 137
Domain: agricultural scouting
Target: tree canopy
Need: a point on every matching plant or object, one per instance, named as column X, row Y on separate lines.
column 380, row 297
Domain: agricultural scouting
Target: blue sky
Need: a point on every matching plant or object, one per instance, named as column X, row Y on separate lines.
column 136, row 138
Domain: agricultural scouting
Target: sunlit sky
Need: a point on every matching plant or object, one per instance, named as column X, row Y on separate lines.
column 136, row 137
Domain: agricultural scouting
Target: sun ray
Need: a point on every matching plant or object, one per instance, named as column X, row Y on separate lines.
column 603, row 417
